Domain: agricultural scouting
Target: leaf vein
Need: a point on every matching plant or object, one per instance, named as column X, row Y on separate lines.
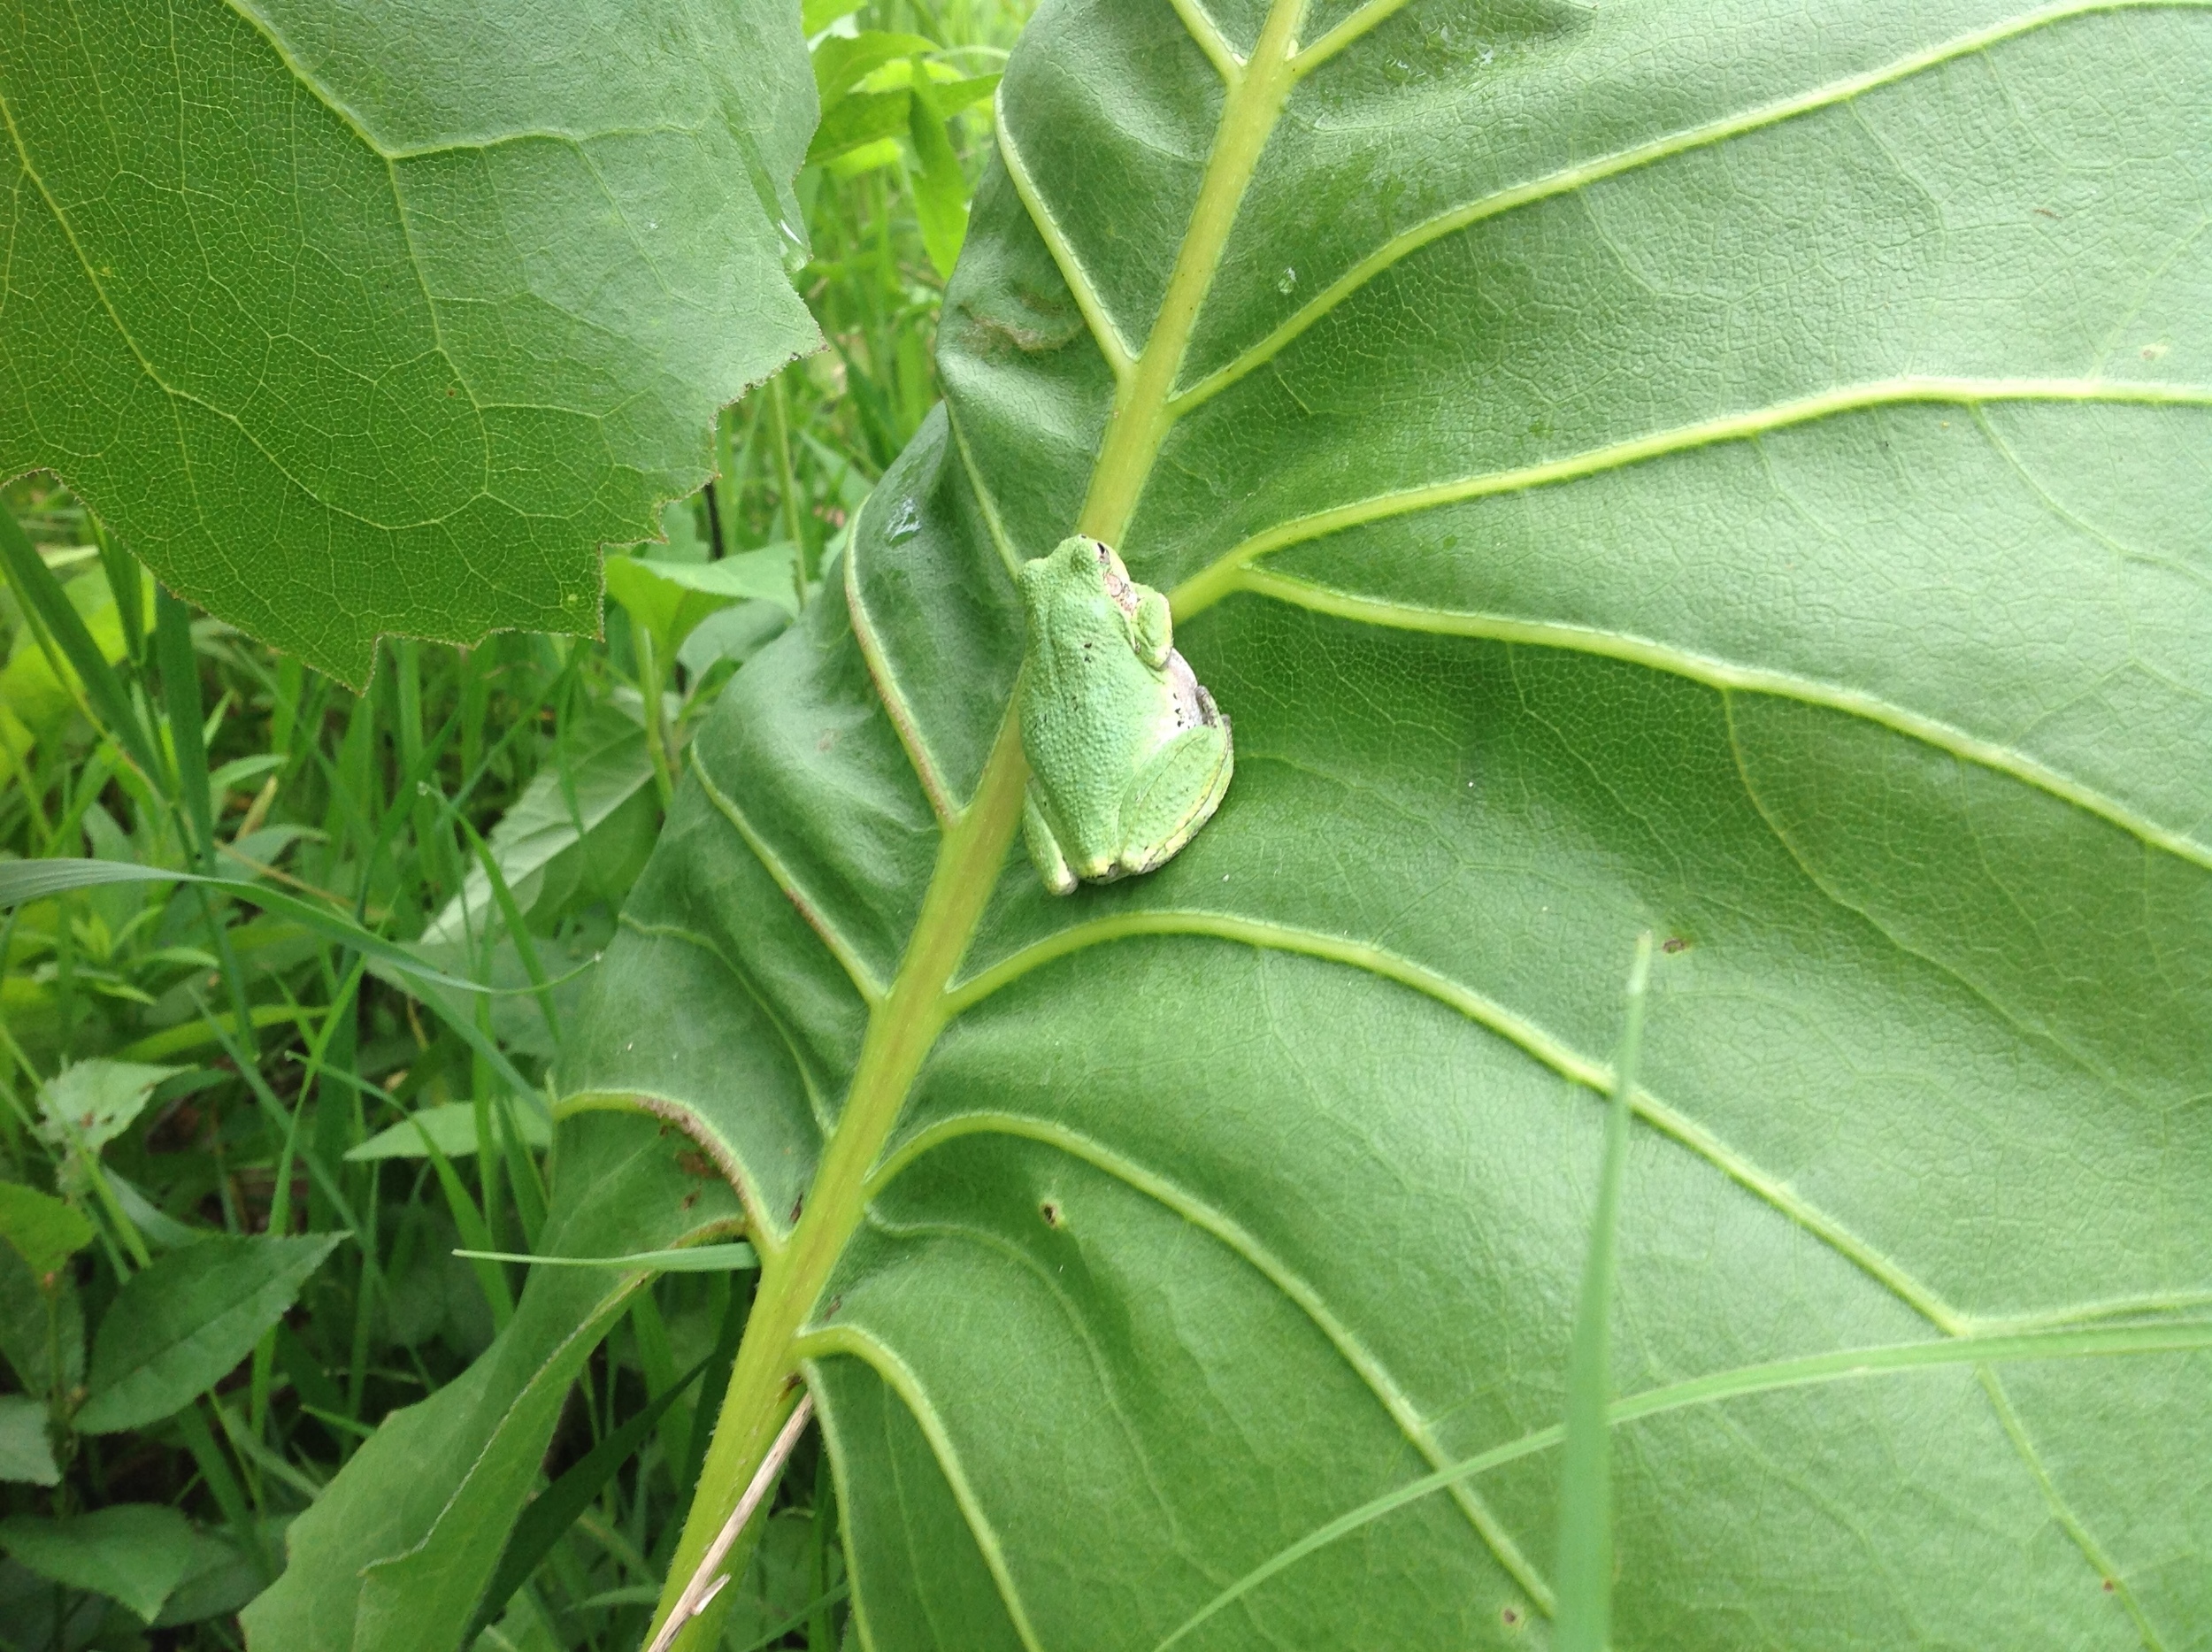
column 1569, row 179
column 1396, row 1404
column 1728, row 676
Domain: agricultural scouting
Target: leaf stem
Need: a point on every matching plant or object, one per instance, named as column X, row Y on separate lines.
column 899, row 1036
column 1143, row 414
column 970, row 854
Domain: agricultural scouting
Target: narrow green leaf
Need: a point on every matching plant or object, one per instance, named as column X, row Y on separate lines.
column 451, row 1126
column 603, row 772
column 859, row 120
column 132, row 1552
column 941, row 189
column 27, row 1455
column 42, row 595
column 395, row 1555
column 181, row 692
column 842, row 62
column 948, row 98
column 692, row 1259
column 181, row 1324
column 816, row 15
column 27, row 880
column 46, row 1231
column 554, row 1510
column 468, row 1216
column 1584, row 1619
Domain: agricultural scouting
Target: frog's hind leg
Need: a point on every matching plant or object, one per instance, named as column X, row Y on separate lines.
column 1044, row 849
column 1173, row 795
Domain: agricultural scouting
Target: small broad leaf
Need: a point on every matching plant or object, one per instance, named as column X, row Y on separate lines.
column 671, row 598
column 177, row 1326
column 133, row 1552
column 88, row 1103
column 45, row 1231
column 452, row 1127
column 25, row 1453
column 384, row 318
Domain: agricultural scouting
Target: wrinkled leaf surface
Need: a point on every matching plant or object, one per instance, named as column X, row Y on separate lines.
column 362, row 319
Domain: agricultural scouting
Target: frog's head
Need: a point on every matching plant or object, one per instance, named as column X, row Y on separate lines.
column 1080, row 565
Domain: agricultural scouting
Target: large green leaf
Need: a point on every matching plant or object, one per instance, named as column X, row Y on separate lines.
column 394, row 1555
column 362, row 319
column 1729, row 468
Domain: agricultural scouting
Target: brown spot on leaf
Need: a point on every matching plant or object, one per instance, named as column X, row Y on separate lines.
column 1050, row 1211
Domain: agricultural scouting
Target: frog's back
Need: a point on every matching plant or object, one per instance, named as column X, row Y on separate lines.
column 1084, row 680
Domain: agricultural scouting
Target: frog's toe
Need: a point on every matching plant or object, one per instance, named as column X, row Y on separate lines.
column 1044, row 849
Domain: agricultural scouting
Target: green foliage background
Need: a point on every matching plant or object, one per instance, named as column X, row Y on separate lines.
column 1726, row 471
column 523, row 778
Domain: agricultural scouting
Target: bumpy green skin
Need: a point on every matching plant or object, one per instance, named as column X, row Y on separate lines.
column 1127, row 755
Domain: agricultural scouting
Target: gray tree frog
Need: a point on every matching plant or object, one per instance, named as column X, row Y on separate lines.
column 1128, row 755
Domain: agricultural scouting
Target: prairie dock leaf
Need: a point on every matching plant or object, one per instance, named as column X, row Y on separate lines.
column 356, row 320
column 1726, row 469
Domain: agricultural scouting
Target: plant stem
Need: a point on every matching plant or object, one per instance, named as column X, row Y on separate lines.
column 899, row 1035
column 657, row 745
column 970, row 857
column 787, row 479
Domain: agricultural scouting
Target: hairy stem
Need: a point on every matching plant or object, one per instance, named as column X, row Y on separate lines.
column 764, row 1384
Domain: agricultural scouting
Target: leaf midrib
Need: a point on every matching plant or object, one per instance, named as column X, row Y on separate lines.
column 903, row 1026
column 924, row 998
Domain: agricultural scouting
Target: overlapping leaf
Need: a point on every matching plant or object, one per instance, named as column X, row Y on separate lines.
column 351, row 319
column 1734, row 469
column 396, row 1552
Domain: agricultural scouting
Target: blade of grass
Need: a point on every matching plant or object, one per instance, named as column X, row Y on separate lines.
column 56, row 617
column 548, row 1518
column 22, row 882
column 470, row 1220
column 511, row 914
column 1844, row 1365
column 1586, row 1487
column 736, row 1259
column 181, row 693
column 799, row 1619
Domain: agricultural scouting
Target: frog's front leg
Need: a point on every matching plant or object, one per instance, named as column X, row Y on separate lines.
column 1152, row 628
column 1172, row 795
column 1044, row 849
